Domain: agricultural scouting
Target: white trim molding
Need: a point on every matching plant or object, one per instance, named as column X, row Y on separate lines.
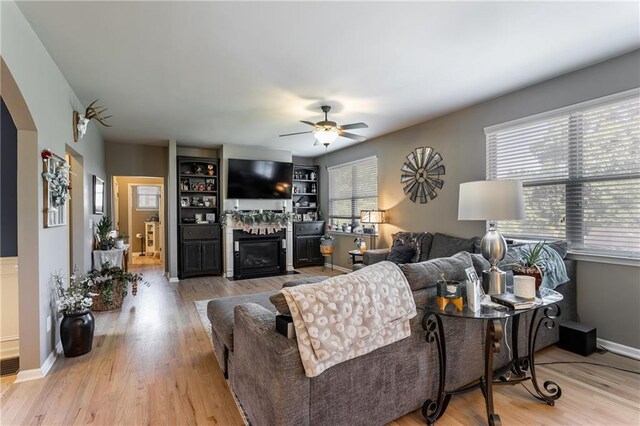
column 612, row 260
column 337, row 268
column 619, row 349
column 39, row 373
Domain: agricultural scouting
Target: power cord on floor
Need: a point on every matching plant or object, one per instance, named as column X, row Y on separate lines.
column 590, row 363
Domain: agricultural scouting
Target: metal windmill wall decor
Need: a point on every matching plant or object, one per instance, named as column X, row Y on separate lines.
column 421, row 174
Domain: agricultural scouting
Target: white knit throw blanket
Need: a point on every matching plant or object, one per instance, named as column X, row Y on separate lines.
column 350, row 315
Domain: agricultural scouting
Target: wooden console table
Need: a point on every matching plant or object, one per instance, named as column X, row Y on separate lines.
column 518, row 369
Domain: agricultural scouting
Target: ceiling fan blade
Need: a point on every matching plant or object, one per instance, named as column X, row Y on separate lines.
column 308, row 122
column 316, row 143
column 352, row 136
column 297, row 133
column 353, row 126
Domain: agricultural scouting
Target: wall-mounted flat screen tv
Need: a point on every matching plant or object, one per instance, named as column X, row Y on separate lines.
column 258, row 179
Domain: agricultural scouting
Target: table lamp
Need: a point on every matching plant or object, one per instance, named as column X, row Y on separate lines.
column 492, row 200
column 372, row 217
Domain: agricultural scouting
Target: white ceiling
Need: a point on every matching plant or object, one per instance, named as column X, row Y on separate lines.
column 212, row 73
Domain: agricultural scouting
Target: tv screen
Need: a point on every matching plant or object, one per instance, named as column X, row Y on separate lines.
column 257, row 179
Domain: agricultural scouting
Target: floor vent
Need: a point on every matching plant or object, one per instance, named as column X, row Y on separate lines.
column 9, row 366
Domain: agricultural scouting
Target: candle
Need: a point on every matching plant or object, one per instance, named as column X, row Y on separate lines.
column 524, row 286
column 284, row 205
column 236, row 204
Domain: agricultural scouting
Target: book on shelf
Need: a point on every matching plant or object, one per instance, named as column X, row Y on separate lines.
column 514, row 302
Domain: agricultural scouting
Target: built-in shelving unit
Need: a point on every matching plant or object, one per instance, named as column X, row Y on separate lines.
column 199, row 217
column 306, row 195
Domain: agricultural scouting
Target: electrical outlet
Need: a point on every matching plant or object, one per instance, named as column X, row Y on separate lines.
column 48, row 323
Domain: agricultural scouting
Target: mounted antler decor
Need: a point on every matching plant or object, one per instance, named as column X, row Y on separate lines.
column 80, row 121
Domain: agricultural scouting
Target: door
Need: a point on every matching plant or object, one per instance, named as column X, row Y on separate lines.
column 315, row 256
column 302, row 250
column 191, row 256
column 211, row 257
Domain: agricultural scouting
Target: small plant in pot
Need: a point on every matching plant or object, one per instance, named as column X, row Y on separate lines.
column 531, row 262
column 121, row 240
column 103, row 229
column 111, row 285
column 326, row 244
column 74, row 302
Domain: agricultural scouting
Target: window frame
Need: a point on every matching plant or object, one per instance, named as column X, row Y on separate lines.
column 157, row 197
column 355, row 215
column 574, row 228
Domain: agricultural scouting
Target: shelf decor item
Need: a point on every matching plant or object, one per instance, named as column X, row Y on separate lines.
column 57, row 184
column 421, row 174
column 73, row 301
column 492, row 200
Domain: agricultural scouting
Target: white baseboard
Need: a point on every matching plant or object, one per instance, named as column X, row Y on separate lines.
column 174, row 280
column 39, row 373
column 337, row 268
column 619, row 349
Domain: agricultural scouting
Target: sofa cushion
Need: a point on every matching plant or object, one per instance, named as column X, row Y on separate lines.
column 401, row 253
column 426, row 274
column 220, row 313
column 446, row 245
column 411, row 239
column 278, row 300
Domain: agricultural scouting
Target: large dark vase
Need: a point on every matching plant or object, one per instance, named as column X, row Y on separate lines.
column 76, row 333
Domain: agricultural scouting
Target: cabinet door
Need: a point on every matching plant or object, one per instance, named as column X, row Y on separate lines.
column 211, row 257
column 191, row 256
column 302, row 250
column 315, row 256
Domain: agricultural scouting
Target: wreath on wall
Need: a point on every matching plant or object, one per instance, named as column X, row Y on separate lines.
column 57, row 175
column 256, row 218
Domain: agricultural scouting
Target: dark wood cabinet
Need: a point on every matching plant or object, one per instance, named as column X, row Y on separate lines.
column 306, row 243
column 199, row 217
column 200, row 247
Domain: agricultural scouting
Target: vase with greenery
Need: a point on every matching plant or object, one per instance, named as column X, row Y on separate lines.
column 73, row 301
column 111, row 285
column 531, row 262
column 103, row 229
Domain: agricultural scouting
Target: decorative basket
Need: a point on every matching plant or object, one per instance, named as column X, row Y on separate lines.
column 99, row 304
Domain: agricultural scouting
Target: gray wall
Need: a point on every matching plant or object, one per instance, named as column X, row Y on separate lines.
column 459, row 138
column 50, row 102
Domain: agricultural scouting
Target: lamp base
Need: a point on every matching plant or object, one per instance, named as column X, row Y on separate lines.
column 494, row 281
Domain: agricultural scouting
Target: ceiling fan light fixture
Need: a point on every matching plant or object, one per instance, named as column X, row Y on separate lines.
column 326, row 135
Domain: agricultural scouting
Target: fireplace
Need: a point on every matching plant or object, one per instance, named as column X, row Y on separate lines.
column 258, row 255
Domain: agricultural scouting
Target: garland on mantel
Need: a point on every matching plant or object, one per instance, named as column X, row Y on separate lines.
column 257, row 222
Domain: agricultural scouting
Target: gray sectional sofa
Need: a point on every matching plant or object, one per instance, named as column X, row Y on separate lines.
column 267, row 376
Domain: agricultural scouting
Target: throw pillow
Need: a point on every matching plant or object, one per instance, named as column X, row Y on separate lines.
column 411, row 239
column 426, row 274
column 401, row 253
column 280, row 302
column 425, row 248
column 446, row 245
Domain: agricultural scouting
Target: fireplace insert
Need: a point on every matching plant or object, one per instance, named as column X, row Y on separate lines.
column 257, row 256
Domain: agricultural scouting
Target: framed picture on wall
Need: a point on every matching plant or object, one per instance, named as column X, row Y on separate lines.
column 98, row 195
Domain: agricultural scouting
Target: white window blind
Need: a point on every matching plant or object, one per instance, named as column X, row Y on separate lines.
column 148, row 198
column 352, row 187
column 580, row 168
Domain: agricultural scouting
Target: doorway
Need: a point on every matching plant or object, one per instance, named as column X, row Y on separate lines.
column 139, row 213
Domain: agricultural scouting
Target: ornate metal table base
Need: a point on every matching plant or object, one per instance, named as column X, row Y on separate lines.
column 519, row 368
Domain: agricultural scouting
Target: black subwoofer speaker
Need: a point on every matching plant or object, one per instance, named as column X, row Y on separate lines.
column 577, row 338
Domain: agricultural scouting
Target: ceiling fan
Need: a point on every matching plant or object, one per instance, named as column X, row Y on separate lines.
column 327, row 131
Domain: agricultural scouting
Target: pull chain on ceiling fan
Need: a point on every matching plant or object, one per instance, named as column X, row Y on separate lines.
column 327, row 131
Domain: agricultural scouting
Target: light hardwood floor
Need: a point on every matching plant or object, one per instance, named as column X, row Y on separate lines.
column 151, row 363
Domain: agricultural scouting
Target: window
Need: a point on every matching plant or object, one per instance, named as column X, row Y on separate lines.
column 580, row 168
column 352, row 187
column 147, row 198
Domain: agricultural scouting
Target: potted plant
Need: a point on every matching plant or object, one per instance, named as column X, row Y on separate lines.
column 74, row 302
column 121, row 240
column 531, row 262
column 103, row 228
column 111, row 285
column 326, row 244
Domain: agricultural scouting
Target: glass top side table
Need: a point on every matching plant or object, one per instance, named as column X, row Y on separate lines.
column 520, row 368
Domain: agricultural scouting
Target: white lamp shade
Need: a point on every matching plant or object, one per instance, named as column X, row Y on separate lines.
column 326, row 136
column 491, row 200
